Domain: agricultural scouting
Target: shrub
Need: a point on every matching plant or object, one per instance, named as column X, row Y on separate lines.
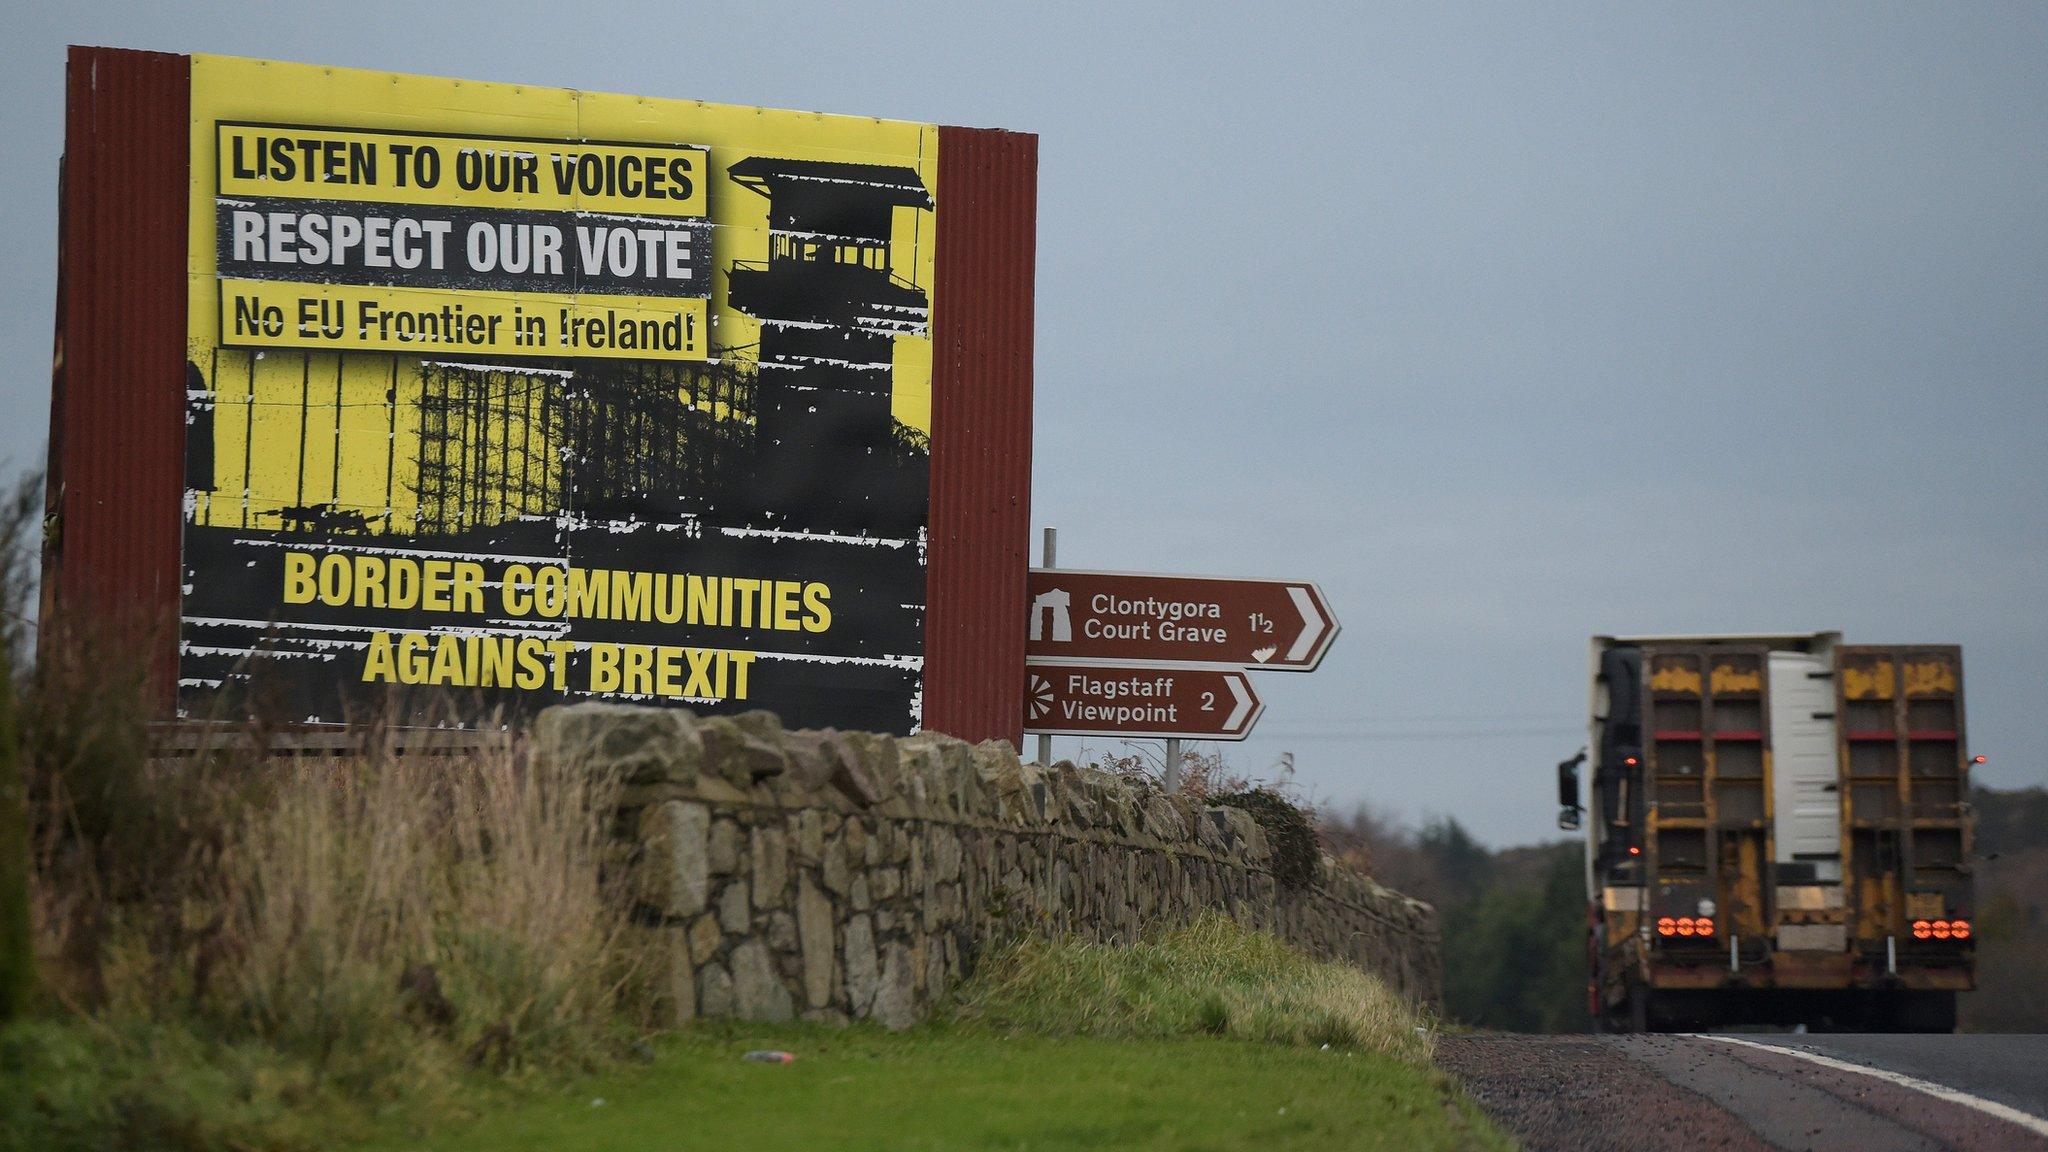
column 20, row 525
column 1297, row 851
column 17, row 941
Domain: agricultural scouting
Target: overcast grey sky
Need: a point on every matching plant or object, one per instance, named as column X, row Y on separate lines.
column 1508, row 325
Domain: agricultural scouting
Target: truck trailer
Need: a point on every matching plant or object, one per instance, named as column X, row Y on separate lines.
column 1778, row 831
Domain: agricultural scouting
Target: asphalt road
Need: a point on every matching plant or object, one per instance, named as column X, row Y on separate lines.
column 1760, row 1093
column 2012, row 1070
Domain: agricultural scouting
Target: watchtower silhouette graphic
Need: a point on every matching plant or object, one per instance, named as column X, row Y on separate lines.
column 831, row 306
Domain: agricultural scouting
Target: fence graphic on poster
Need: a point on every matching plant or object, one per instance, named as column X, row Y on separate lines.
column 313, row 442
column 650, row 437
column 486, row 447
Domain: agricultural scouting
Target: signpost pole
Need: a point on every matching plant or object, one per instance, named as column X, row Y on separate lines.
column 1171, row 778
column 1048, row 554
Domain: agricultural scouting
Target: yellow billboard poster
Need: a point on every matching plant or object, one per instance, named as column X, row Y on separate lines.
column 527, row 395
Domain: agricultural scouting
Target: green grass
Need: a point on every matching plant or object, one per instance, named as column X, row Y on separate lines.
column 73, row 1085
column 969, row 1087
column 1211, row 978
column 69, row 1084
column 940, row 1086
column 1205, row 1037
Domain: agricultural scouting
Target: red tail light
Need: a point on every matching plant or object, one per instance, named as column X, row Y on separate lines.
column 1941, row 929
column 1666, row 926
column 1703, row 926
column 1685, row 927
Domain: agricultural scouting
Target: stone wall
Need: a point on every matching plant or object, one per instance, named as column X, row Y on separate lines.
column 846, row 875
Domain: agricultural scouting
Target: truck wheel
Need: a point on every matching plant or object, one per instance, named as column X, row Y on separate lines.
column 1922, row 1012
column 1638, row 1008
column 1596, row 999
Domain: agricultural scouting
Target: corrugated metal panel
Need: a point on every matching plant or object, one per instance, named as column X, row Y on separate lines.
column 117, row 416
column 980, row 535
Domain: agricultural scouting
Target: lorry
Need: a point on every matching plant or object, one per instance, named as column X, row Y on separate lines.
column 1778, row 831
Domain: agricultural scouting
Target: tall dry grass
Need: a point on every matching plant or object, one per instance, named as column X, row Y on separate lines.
column 329, row 934
column 372, row 900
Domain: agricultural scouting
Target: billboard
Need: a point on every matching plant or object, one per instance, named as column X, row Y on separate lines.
column 546, row 395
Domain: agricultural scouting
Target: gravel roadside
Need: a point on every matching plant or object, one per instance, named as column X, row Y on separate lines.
column 1578, row 1094
column 1682, row 1093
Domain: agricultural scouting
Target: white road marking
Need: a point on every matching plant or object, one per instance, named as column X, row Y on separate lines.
column 2004, row 1112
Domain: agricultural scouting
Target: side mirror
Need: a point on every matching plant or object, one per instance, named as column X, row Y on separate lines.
column 1568, row 808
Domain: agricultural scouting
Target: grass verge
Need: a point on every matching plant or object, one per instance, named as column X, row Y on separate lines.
column 80, row 1083
column 1207, row 1037
column 953, row 1086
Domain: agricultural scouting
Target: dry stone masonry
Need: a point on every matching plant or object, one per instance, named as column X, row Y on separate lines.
column 838, row 876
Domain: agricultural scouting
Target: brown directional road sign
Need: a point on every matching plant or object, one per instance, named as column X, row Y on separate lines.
column 1106, row 700
column 1130, row 617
